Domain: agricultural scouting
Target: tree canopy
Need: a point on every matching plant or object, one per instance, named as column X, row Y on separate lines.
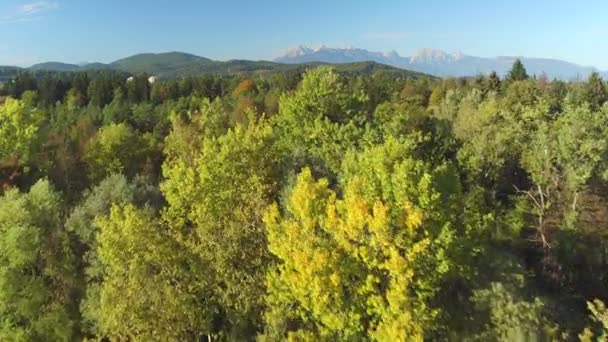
column 304, row 205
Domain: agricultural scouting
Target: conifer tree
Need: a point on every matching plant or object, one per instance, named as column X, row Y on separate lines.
column 518, row 72
column 595, row 91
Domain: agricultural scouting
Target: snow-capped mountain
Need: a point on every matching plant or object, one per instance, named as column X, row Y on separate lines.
column 298, row 51
column 438, row 62
column 429, row 56
column 303, row 54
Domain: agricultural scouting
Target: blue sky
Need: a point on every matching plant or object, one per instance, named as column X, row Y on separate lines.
column 104, row 30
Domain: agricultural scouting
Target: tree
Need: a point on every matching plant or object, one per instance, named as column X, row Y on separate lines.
column 81, row 222
column 149, row 291
column 36, row 268
column 20, row 124
column 23, row 82
column 190, row 126
column 595, row 91
column 216, row 196
column 493, row 82
column 138, row 89
column 118, row 110
column 555, row 94
column 561, row 158
column 437, row 96
column 510, row 318
column 19, row 129
column 117, row 148
column 319, row 122
column 518, row 72
column 99, row 92
column 358, row 266
column 74, row 99
column 599, row 315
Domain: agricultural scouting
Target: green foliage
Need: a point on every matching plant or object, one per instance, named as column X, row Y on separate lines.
column 216, row 193
column 492, row 83
column 510, row 318
column 113, row 190
column 36, row 268
column 599, row 316
column 149, row 292
column 291, row 202
column 319, row 122
column 595, row 91
column 19, row 129
column 117, row 148
column 518, row 72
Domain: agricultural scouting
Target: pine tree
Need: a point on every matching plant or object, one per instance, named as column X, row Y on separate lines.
column 595, row 91
column 493, row 82
column 518, row 72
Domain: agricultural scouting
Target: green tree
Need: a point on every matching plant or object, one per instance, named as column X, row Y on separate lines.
column 138, row 89
column 36, row 268
column 595, row 91
column 216, row 198
column 23, row 82
column 74, row 99
column 599, row 315
column 99, row 92
column 81, row 222
column 492, row 83
column 319, row 122
column 118, row 110
column 437, row 96
column 517, row 72
column 149, row 291
column 19, row 129
column 190, row 126
column 510, row 318
column 117, row 148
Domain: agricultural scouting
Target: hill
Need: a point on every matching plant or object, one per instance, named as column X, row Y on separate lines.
column 351, row 60
column 54, row 66
column 178, row 65
column 159, row 64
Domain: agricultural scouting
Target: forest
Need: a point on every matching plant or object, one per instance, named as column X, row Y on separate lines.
column 303, row 205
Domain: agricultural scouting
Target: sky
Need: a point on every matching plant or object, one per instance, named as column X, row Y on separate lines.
column 78, row 31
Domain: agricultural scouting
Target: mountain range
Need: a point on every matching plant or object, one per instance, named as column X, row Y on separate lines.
column 353, row 60
column 179, row 64
column 439, row 63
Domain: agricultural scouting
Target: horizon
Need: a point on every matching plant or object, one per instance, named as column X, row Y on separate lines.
column 262, row 31
column 286, row 51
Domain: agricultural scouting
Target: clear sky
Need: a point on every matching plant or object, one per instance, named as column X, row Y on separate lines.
column 77, row 31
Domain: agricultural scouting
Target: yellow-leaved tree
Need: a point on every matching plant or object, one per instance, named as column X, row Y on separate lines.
column 366, row 261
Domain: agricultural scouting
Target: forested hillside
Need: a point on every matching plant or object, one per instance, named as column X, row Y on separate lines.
column 328, row 205
column 172, row 65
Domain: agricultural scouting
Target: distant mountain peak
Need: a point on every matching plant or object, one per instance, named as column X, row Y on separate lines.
column 298, row 51
column 438, row 62
column 434, row 55
column 391, row 54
